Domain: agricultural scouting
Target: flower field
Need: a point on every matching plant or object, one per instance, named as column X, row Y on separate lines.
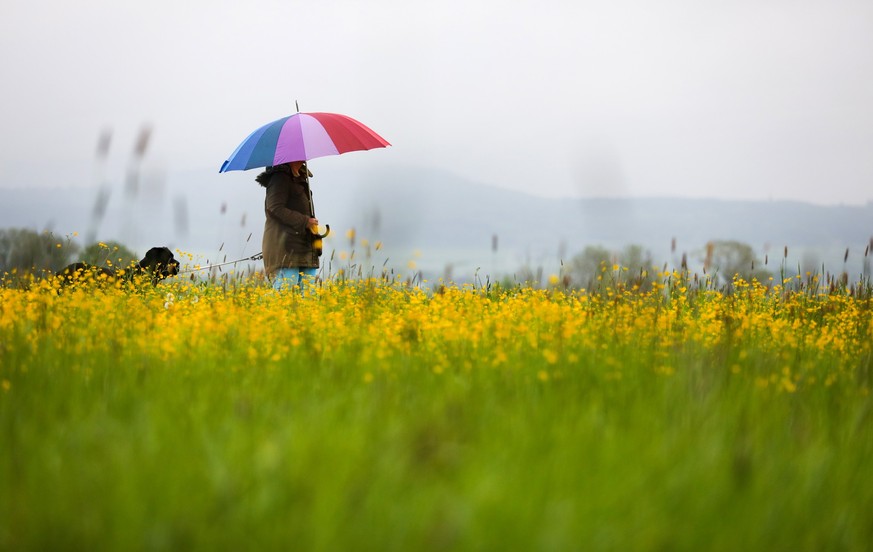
column 368, row 414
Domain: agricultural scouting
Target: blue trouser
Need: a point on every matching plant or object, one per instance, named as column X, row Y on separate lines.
column 287, row 278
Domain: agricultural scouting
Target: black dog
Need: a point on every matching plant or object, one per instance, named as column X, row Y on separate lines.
column 158, row 263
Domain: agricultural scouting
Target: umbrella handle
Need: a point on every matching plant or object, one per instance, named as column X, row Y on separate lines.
column 316, row 241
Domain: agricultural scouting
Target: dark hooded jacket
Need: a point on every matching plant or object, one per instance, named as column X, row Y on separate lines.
column 287, row 242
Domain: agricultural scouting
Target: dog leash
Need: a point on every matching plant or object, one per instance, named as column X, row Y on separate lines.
column 255, row 257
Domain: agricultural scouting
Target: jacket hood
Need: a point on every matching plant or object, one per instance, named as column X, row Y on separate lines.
column 264, row 178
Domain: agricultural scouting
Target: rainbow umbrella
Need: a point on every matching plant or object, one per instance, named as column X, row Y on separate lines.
column 301, row 137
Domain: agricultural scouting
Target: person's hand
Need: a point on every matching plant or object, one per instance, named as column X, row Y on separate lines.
column 313, row 225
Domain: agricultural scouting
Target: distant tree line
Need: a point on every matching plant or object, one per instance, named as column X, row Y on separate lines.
column 24, row 251
column 634, row 267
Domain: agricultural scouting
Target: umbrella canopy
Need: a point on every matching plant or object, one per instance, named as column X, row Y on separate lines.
column 301, row 137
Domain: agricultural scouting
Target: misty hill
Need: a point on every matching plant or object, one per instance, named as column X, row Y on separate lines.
column 449, row 219
column 446, row 210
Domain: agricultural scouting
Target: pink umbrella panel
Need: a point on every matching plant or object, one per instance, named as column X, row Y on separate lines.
column 301, row 137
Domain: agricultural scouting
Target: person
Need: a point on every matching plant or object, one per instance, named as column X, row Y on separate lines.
column 290, row 255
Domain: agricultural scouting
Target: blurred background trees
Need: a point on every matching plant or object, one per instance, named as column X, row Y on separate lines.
column 595, row 262
column 23, row 250
column 724, row 259
column 112, row 254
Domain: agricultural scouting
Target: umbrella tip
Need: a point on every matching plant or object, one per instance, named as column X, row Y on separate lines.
column 297, row 105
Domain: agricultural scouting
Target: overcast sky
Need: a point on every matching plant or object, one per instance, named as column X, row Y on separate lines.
column 764, row 99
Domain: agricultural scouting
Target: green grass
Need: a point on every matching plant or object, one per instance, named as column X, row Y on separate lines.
column 112, row 450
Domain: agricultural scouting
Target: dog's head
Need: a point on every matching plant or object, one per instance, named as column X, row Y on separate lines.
column 160, row 262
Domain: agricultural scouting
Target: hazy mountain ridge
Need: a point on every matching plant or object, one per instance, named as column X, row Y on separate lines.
column 437, row 211
column 449, row 211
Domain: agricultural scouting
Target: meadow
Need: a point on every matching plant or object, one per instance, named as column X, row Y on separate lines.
column 369, row 414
